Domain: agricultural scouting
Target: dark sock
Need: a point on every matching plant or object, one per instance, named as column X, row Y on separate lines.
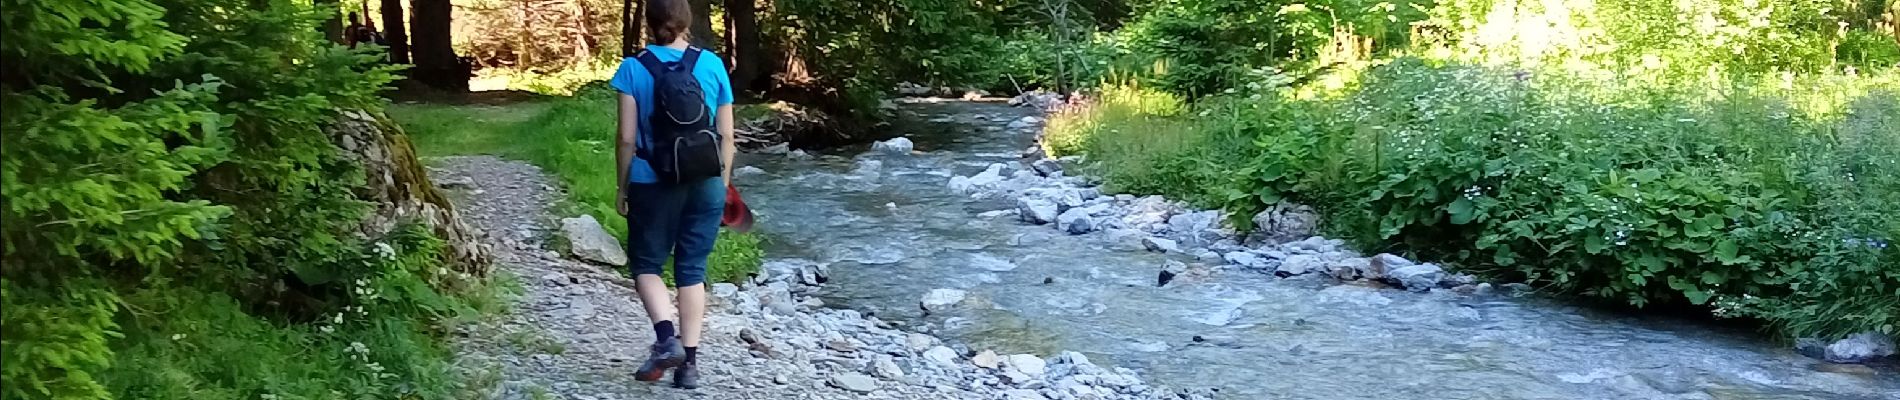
column 692, row 354
column 662, row 330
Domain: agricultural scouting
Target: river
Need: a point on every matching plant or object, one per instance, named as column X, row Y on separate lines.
column 894, row 231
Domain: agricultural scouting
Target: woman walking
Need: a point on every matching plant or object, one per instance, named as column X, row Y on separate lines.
column 674, row 155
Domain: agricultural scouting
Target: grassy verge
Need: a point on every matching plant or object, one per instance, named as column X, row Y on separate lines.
column 570, row 137
column 1762, row 198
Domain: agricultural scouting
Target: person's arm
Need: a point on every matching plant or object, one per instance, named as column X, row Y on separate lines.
column 727, row 146
column 624, row 148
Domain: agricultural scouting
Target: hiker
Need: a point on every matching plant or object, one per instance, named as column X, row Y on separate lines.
column 674, row 172
column 357, row 33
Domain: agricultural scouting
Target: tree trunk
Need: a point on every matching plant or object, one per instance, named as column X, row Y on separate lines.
column 631, row 38
column 434, row 54
column 395, row 31
column 583, row 34
column 333, row 26
column 742, row 42
column 702, row 33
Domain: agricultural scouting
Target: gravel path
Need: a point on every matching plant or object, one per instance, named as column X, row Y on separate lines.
column 577, row 331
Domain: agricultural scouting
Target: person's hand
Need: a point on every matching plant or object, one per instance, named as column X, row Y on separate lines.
column 620, row 202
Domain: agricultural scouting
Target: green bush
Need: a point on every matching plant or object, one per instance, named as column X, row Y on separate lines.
column 1199, row 48
column 167, row 180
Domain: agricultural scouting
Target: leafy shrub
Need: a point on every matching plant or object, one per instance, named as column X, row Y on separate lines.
column 1760, row 200
column 165, row 170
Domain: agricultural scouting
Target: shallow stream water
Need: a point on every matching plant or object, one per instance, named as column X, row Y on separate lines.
column 894, row 231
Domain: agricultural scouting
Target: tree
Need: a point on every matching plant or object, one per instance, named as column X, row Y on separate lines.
column 630, row 35
column 742, row 42
column 394, row 31
column 434, row 54
column 702, row 33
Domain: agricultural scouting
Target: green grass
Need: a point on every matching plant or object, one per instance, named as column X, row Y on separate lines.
column 571, row 138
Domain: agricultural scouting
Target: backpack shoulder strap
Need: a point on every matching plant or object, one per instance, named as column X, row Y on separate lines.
column 691, row 59
column 652, row 62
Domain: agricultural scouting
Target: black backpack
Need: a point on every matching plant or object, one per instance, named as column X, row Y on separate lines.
column 685, row 145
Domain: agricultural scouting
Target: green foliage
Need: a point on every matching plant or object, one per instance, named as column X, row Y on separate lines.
column 1767, row 199
column 572, row 138
column 166, row 172
column 1202, row 47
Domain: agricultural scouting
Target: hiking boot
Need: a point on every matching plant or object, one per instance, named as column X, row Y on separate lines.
column 666, row 354
column 687, row 376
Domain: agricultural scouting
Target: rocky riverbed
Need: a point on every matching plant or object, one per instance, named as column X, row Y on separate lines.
column 577, row 330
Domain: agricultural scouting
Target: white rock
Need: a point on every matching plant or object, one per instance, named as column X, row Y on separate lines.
column 1861, row 347
column 919, row 342
column 780, row 148
column 748, row 171
column 942, row 356
column 798, row 155
column 1417, row 278
column 1160, row 245
column 1299, row 265
column 1036, row 210
column 724, row 290
column 899, row 146
column 1393, row 262
column 939, row 299
column 986, row 359
column 1286, row 221
column 853, row 381
column 1076, row 221
column 885, row 368
column 591, row 242
column 1022, row 394
column 1027, row 364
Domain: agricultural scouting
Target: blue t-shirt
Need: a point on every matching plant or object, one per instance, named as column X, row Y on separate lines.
column 633, row 79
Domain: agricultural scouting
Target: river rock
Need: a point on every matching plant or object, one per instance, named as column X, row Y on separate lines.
column 1417, row 278
column 1170, row 269
column 1026, row 364
column 854, row 382
column 589, row 241
column 1299, row 265
column 1193, row 228
column 941, row 355
column 1859, row 348
column 1286, row 221
column 1393, row 262
column 1244, row 259
column 885, row 368
column 1024, row 122
column 898, row 146
column 798, row 155
column 1156, row 244
column 748, row 171
column 918, row 341
column 1036, row 210
column 940, row 299
column 776, row 149
column 1046, row 167
column 1022, row 394
column 986, row 359
column 1076, row 221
